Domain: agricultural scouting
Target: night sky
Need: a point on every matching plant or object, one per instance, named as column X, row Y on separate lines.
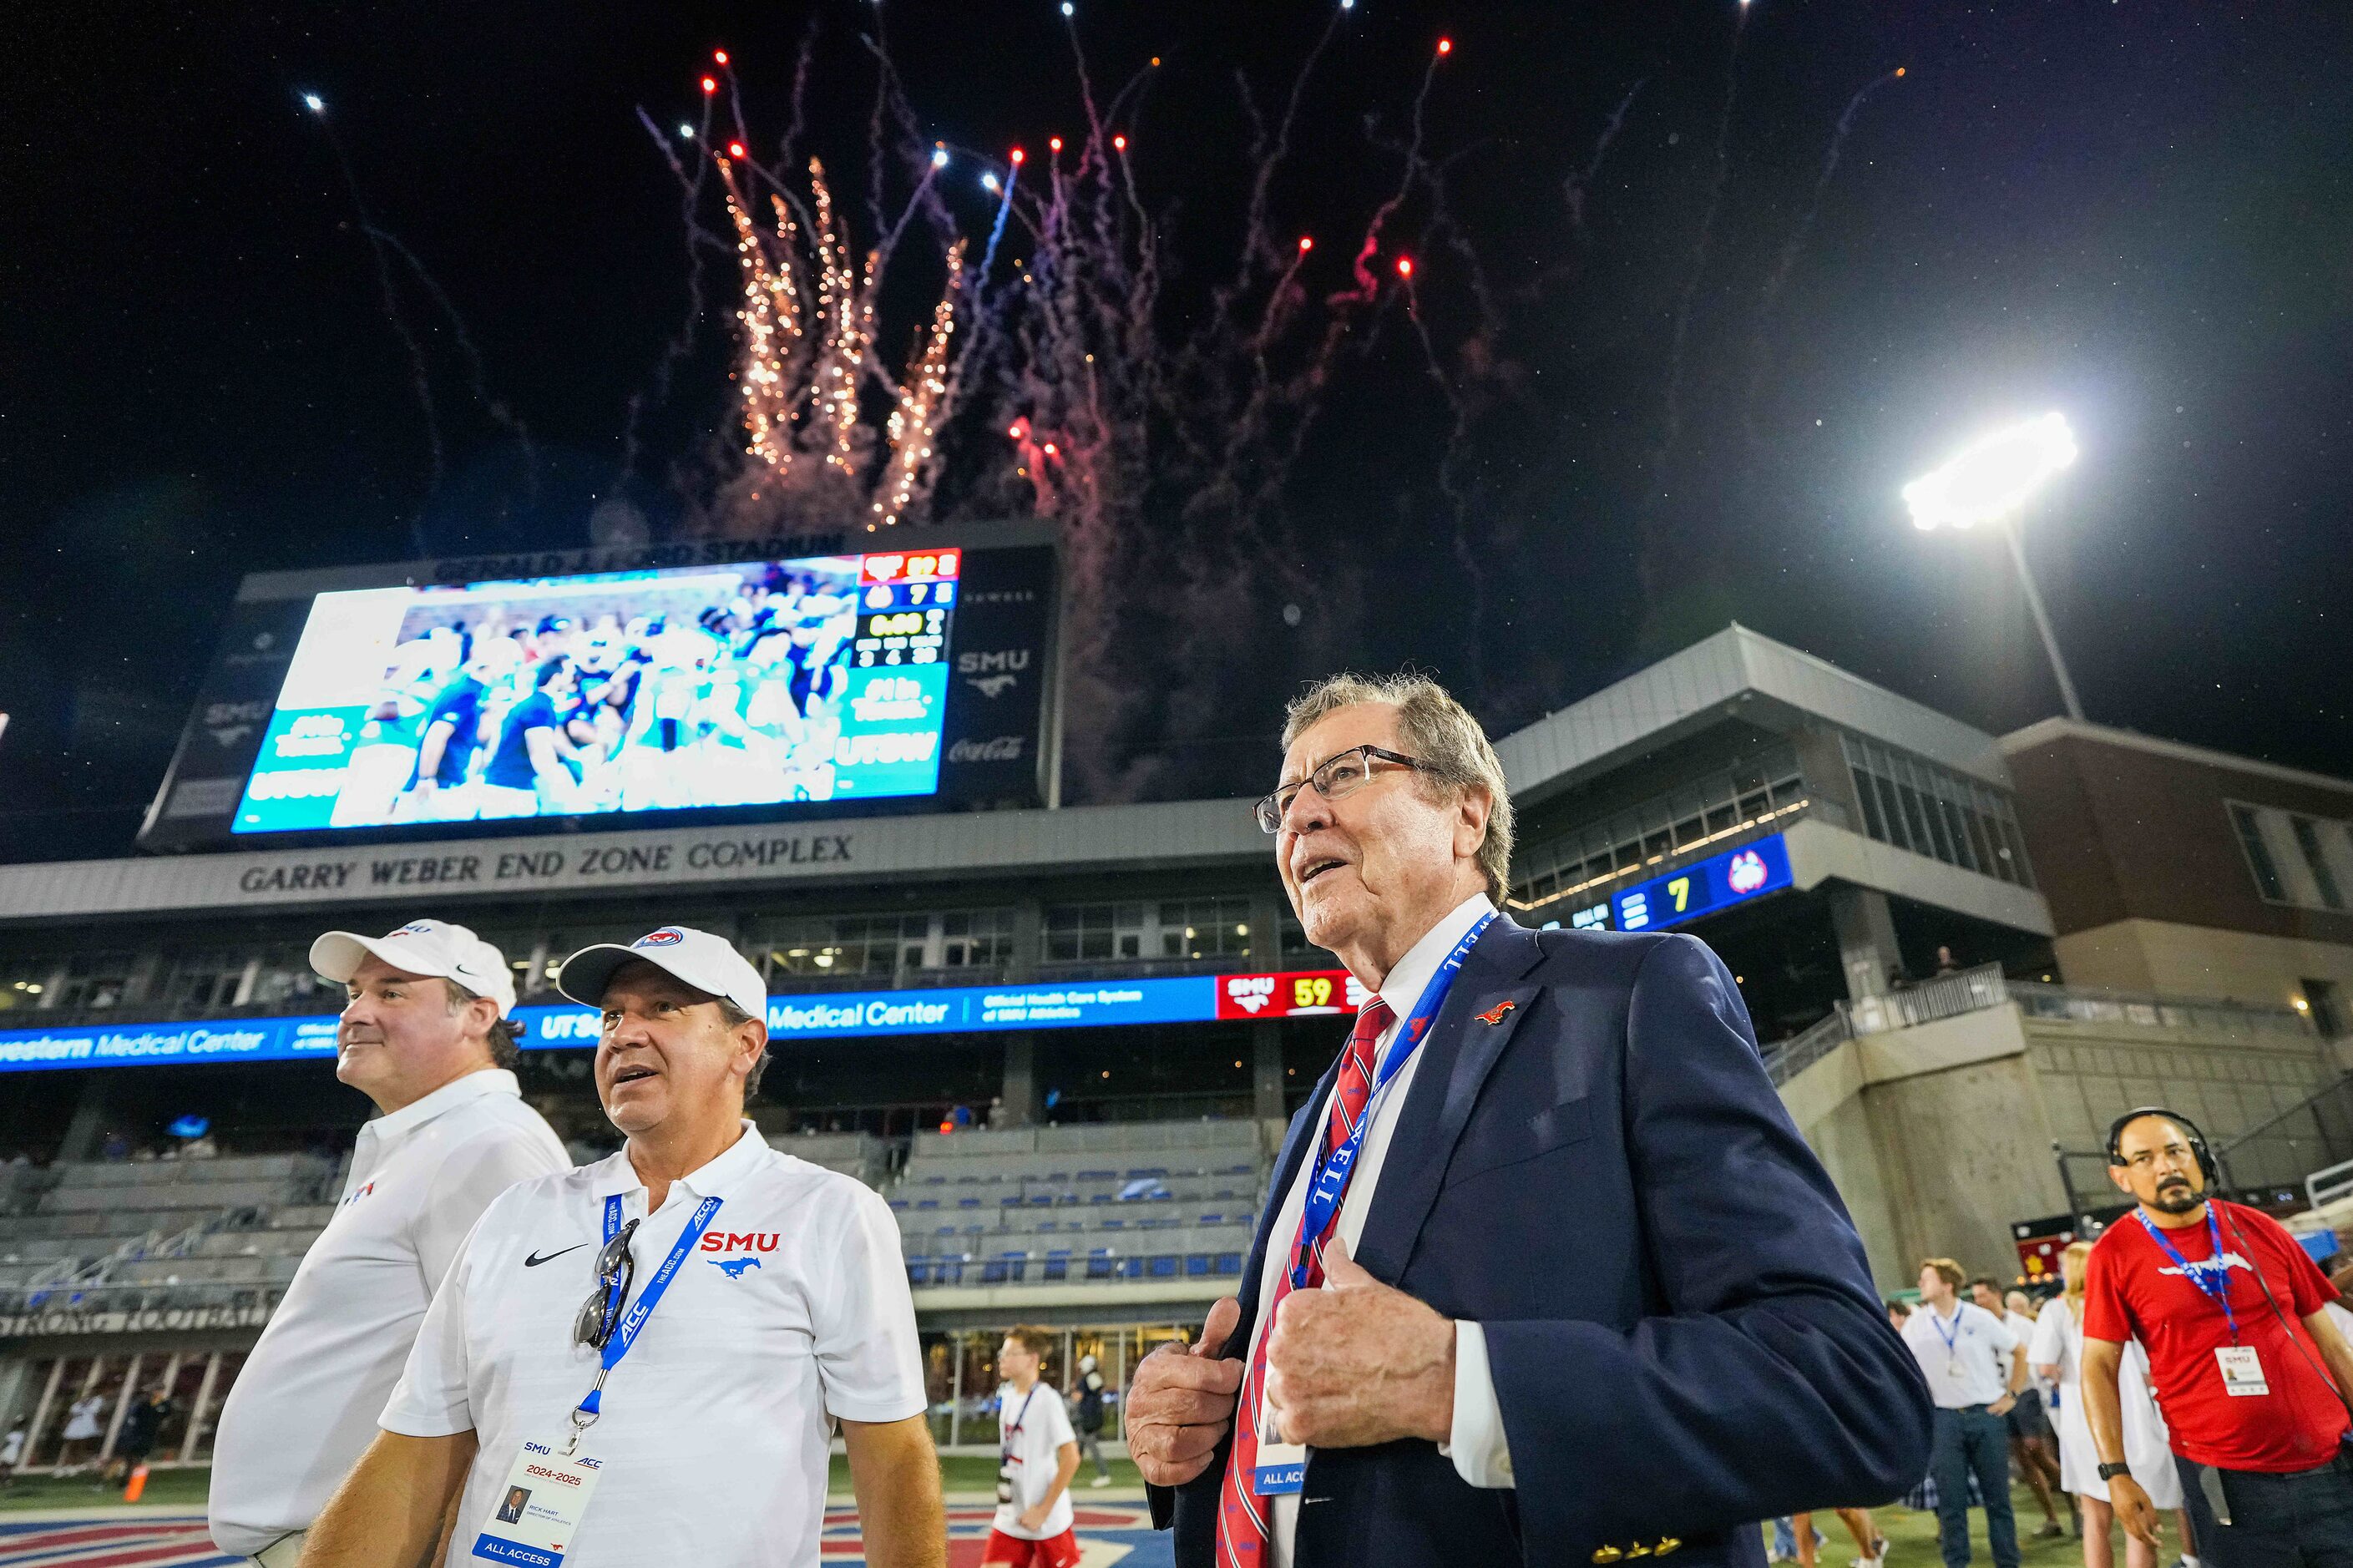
column 1683, row 393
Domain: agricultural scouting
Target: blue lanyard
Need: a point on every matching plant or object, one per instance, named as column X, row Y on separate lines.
column 633, row 1323
column 1331, row 1171
column 2219, row 1289
column 1953, row 1340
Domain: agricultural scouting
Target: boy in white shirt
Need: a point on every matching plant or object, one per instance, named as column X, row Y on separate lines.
column 1037, row 1455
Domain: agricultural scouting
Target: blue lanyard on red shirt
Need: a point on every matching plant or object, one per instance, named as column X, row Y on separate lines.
column 2219, row 1289
column 1333, row 1171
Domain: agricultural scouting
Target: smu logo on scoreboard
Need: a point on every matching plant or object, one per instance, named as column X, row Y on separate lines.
column 1288, row 995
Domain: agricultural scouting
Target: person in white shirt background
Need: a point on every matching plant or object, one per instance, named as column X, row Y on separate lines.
column 739, row 1303
column 1976, row 1369
column 2056, row 1352
column 1088, row 1419
column 1038, row 1453
column 11, row 1452
column 82, row 1428
column 2030, row 1442
column 425, row 1035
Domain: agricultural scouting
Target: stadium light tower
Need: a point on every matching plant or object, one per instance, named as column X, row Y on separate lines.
column 1990, row 481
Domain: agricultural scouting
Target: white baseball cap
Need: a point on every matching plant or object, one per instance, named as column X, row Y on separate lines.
column 422, row 947
column 706, row 962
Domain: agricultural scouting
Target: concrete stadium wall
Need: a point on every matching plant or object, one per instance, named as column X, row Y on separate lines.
column 2148, row 955
column 1939, row 1137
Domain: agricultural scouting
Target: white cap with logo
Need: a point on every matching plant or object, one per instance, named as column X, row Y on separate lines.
column 422, row 947
column 706, row 962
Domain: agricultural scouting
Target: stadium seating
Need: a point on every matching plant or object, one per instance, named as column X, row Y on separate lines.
column 1052, row 1204
column 163, row 1233
column 860, row 1155
column 1146, row 1201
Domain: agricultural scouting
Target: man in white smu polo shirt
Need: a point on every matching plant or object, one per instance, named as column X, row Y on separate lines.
column 662, row 1390
column 425, row 1035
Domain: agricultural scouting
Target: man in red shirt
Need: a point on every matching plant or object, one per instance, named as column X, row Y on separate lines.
column 2245, row 1363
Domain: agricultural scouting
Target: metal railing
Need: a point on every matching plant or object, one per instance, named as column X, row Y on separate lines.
column 1975, row 990
column 2069, row 1004
column 1946, row 996
column 2312, row 1135
column 2327, row 1186
column 1785, row 1059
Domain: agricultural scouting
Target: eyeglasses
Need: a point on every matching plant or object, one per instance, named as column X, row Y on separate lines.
column 617, row 1269
column 1333, row 778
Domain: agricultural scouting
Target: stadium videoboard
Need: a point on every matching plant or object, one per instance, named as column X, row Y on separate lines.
column 715, row 680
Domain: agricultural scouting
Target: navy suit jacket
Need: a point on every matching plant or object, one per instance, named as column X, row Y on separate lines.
column 1681, row 1325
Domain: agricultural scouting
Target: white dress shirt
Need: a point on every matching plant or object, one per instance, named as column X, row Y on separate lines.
column 791, row 1310
column 1964, row 1357
column 305, row 1406
column 1477, row 1446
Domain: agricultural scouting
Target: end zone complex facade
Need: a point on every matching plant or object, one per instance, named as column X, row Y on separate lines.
column 1120, row 995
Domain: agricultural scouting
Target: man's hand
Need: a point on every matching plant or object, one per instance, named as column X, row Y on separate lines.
column 1358, row 1362
column 2134, row 1510
column 1181, row 1402
column 2003, row 1406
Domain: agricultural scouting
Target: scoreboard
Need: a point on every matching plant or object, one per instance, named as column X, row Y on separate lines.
column 1712, row 885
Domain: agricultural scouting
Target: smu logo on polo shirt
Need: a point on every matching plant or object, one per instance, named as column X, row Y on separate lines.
column 737, row 1253
column 741, row 1241
column 668, row 936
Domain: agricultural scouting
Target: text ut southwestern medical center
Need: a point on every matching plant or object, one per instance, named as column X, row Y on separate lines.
column 1062, row 1042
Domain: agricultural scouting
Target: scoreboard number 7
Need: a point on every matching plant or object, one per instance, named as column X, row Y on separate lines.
column 1681, row 888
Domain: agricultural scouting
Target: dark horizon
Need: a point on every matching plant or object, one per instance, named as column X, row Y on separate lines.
column 1667, row 420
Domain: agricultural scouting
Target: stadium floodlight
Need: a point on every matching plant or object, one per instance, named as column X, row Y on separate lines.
column 1990, row 481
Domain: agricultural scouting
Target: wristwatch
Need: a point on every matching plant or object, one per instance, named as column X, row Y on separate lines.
column 2110, row 1472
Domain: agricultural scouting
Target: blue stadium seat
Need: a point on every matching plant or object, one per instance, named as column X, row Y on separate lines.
column 1057, row 1263
column 1100, row 1263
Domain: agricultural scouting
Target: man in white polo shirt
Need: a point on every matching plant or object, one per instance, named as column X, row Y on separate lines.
column 425, row 1035
column 1976, row 1368
column 665, row 1393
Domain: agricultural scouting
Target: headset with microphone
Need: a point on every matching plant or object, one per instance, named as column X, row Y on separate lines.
column 2198, row 1145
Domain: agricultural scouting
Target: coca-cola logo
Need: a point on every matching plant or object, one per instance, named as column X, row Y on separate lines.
column 1004, row 749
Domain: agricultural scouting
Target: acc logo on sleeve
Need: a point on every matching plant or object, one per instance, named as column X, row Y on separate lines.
column 668, row 936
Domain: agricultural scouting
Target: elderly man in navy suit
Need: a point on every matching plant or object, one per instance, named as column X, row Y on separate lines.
column 1547, row 1275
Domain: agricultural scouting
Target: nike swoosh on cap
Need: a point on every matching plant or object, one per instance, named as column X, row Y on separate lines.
column 534, row 1260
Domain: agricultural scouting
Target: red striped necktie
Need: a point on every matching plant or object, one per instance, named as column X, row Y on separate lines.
column 1242, row 1514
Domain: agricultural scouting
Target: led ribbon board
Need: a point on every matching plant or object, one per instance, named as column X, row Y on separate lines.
column 1715, row 883
column 824, row 1014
